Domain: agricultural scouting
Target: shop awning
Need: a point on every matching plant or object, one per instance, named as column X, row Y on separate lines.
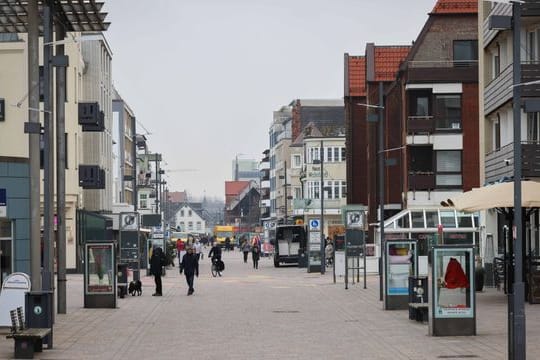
column 496, row 196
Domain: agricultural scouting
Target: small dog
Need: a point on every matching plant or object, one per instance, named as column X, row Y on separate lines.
column 135, row 287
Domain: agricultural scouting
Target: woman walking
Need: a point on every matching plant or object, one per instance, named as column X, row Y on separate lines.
column 255, row 255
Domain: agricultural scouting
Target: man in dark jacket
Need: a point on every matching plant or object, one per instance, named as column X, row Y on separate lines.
column 157, row 262
column 190, row 267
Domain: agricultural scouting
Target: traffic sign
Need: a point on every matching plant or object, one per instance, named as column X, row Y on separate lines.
column 314, row 225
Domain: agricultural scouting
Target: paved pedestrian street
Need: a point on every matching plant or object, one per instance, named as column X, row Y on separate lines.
column 268, row 313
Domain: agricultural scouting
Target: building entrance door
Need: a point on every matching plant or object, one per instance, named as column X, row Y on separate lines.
column 6, row 258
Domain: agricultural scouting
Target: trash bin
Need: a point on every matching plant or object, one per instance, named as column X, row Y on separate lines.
column 38, row 312
column 302, row 259
column 122, row 281
column 418, row 294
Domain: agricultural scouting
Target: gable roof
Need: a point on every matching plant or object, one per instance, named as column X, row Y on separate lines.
column 355, row 75
column 455, row 7
column 387, row 60
column 235, row 187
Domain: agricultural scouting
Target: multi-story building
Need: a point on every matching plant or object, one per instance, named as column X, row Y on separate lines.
column 287, row 159
column 264, row 169
column 190, row 218
column 123, row 151
column 496, row 105
column 245, row 169
column 323, row 175
column 280, row 139
column 97, row 146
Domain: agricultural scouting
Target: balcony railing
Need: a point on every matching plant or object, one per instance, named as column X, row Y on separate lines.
column 420, row 125
column 421, row 181
column 500, row 163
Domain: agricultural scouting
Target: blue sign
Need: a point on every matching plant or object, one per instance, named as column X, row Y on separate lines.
column 314, row 224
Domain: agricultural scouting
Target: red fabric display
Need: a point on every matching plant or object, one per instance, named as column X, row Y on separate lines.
column 455, row 277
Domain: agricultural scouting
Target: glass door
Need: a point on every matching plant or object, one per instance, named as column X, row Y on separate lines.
column 6, row 258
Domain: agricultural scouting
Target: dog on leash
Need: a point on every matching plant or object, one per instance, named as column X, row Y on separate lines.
column 135, row 287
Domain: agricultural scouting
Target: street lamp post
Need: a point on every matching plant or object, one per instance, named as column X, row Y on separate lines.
column 381, row 154
column 323, row 260
column 516, row 296
column 517, row 348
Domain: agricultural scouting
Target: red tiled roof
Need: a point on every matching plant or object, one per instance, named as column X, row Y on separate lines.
column 235, row 187
column 357, row 76
column 177, row 196
column 387, row 60
column 456, row 7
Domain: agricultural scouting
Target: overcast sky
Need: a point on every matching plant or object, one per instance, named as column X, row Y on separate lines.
column 204, row 76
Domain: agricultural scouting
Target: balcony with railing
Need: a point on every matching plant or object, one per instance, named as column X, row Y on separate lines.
column 420, row 125
column 500, row 163
column 442, row 71
column 421, row 180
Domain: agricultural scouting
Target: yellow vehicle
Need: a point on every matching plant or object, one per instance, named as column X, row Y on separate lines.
column 221, row 232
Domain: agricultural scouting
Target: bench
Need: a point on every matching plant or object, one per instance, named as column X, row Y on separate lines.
column 418, row 311
column 27, row 341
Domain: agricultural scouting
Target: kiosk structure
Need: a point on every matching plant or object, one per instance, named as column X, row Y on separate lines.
column 401, row 261
column 100, row 286
column 452, row 296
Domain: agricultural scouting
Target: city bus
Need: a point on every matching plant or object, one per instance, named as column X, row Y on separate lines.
column 221, row 232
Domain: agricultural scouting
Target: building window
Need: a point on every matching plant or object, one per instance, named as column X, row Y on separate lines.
column 532, row 45
column 297, row 161
column 497, row 62
column 465, row 52
column 532, row 127
column 343, row 154
column 199, row 226
column 314, row 153
column 182, row 226
column 448, row 112
column 190, row 213
column 497, row 134
column 448, row 168
column 313, row 189
column 297, row 192
column 2, row 110
column 190, row 225
column 182, row 213
column 143, row 204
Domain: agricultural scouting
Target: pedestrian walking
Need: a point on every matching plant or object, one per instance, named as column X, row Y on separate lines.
column 190, row 267
column 245, row 249
column 227, row 243
column 197, row 247
column 157, row 262
column 255, row 255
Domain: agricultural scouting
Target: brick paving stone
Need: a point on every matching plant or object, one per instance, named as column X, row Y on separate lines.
column 268, row 313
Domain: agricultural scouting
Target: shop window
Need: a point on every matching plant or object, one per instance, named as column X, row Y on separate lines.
column 417, row 219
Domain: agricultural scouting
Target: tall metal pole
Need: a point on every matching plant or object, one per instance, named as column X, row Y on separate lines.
column 135, row 173
column 33, row 144
column 286, row 210
column 323, row 260
column 517, row 297
column 61, row 172
column 48, row 170
column 381, row 186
